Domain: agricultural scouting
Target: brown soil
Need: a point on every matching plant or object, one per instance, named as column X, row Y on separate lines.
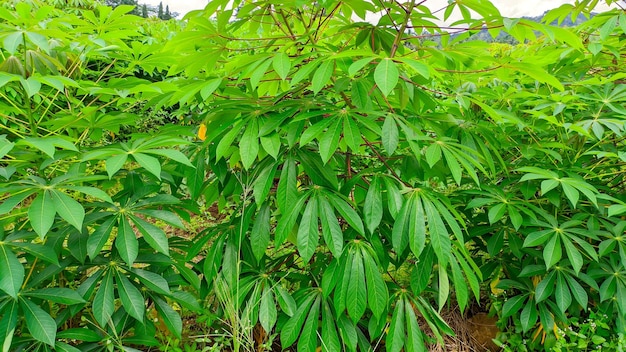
column 473, row 334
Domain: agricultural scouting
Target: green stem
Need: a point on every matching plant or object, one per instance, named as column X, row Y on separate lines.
column 29, row 113
column 398, row 38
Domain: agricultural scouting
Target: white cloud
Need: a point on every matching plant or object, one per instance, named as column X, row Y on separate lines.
column 508, row 8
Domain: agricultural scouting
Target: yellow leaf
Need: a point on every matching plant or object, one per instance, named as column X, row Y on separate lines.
column 494, row 287
column 202, row 132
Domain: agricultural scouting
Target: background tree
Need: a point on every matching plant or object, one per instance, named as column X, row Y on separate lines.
column 115, row 3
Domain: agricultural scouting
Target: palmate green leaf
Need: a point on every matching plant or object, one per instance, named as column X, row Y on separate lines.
column 263, row 183
column 285, row 301
column 41, row 213
column 460, row 286
column 8, row 323
column 386, row 76
column 163, row 215
column 615, row 209
column 31, row 87
column 155, row 237
column 529, row 316
column 562, row 294
column 77, row 245
column 377, row 293
column 209, row 87
column 100, row 236
column 433, row 154
column 538, row 237
column 40, row 324
column 81, row 334
column 348, row 332
column 281, row 64
column 169, row 316
column 308, row 339
column 578, row 292
column 537, row 73
column 358, row 65
column 271, row 144
column 153, row 281
column 131, row 298
column 63, row 347
column 444, row 287
column 515, row 217
column 91, row 191
column 496, row 212
column 308, row 234
column 390, row 136
column 347, row 212
column 421, row 68
column 11, row 272
column 546, row 316
column 314, row 131
column 225, row 142
column 150, row 163
column 399, row 233
column 330, row 338
column 315, row 169
column 287, row 222
column 69, row 209
column 575, row 258
column 453, row 166
column 11, row 202
column 291, row 330
column 552, row 252
column 608, row 288
column 260, row 235
column 396, row 335
column 356, row 294
column 329, row 141
column 439, row 237
column 414, row 341
column 513, row 305
column 115, row 163
column 5, row 146
column 267, row 309
column 548, row 185
column 417, row 226
column 331, row 231
column 360, row 94
column 287, row 189
column 38, row 250
column 395, row 200
column 545, row 288
column 259, row 72
column 373, row 205
column 343, row 272
column 331, row 275
column 322, row 75
column 57, row 294
column 304, row 72
column 352, row 134
column 171, row 154
column 126, row 241
column 249, row 144
column 103, row 302
column 571, row 193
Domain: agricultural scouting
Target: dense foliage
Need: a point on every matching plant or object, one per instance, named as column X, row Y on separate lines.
column 367, row 170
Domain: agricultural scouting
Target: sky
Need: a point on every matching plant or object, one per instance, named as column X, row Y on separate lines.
column 508, row 8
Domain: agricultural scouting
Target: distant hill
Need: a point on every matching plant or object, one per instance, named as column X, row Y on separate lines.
column 503, row 37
